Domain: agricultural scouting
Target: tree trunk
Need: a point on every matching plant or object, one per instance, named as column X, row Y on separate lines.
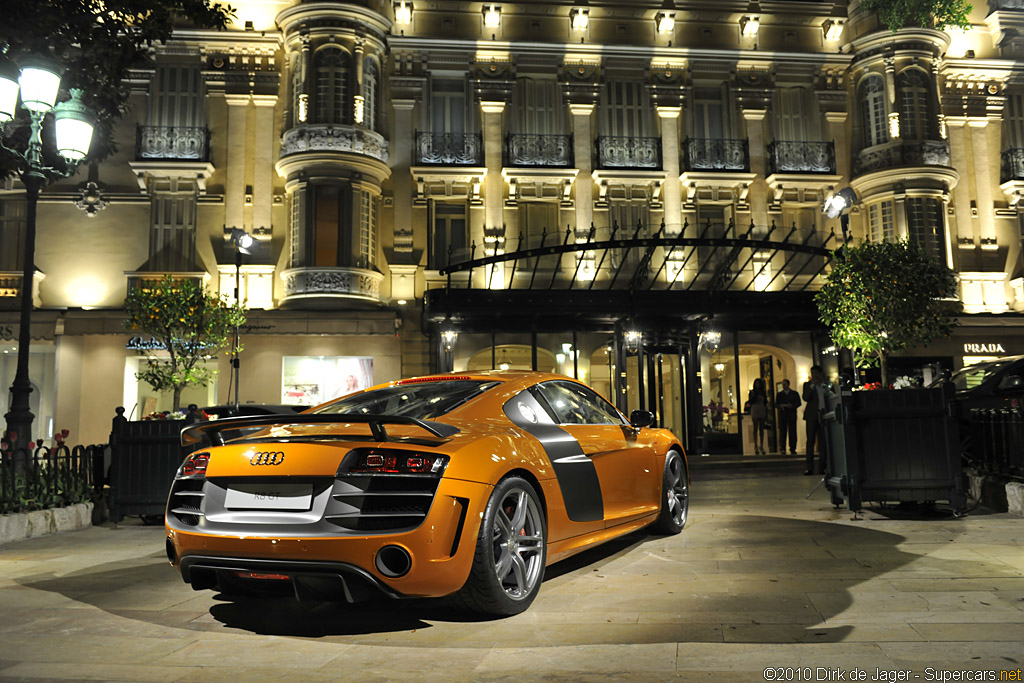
column 176, row 403
column 883, row 365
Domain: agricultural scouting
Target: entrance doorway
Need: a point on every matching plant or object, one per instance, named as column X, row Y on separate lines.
column 655, row 380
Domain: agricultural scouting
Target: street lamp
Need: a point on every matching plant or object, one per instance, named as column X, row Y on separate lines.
column 38, row 84
column 840, row 204
column 243, row 243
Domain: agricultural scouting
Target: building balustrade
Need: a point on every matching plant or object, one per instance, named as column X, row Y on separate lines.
column 621, row 151
column 713, row 154
column 307, row 282
column 902, row 153
column 788, row 156
column 10, row 290
column 328, row 137
column 547, row 151
column 178, row 143
column 1012, row 167
column 452, row 149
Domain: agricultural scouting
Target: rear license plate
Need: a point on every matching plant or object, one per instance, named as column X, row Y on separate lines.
column 269, row 497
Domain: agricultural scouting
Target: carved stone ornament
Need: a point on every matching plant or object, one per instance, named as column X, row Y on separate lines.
column 356, row 282
column 327, row 137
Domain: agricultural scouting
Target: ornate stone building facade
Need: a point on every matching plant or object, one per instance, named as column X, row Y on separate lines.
column 418, row 173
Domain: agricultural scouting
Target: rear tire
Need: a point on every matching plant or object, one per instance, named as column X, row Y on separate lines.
column 675, row 496
column 511, row 550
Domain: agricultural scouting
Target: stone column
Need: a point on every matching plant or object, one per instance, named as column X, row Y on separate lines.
column 837, row 133
column 983, row 179
column 758, row 194
column 401, row 175
column 583, row 192
column 956, row 128
column 494, row 190
column 234, row 181
column 263, row 161
column 671, row 191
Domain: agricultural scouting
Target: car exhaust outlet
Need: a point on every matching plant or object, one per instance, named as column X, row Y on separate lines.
column 172, row 555
column 393, row 561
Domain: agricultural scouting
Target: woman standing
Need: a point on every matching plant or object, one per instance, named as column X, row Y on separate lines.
column 758, row 399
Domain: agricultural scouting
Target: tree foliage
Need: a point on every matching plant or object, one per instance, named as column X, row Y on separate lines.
column 896, row 14
column 882, row 298
column 191, row 323
column 99, row 42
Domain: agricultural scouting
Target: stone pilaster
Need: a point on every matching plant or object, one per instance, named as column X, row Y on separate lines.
column 583, row 192
column 234, row 182
column 982, row 179
column 758, row 196
column 956, row 129
column 401, row 176
column 263, row 161
column 671, row 191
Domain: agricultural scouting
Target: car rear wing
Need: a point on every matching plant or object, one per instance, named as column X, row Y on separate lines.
column 214, row 430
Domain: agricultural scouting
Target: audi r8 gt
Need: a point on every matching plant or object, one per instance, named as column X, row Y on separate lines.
column 463, row 485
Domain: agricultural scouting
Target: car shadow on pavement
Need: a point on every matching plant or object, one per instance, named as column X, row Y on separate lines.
column 754, row 571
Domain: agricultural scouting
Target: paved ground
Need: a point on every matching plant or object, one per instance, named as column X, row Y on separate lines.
column 760, row 578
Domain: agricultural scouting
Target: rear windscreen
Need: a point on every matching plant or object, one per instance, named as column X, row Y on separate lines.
column 424, row 401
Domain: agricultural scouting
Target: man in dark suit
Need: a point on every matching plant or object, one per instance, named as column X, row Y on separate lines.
column 787, row 401
column 815, row 391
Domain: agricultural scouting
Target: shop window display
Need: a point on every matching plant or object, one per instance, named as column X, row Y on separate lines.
column 311, row 380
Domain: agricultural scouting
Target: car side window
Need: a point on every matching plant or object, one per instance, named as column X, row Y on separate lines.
column 576, row 404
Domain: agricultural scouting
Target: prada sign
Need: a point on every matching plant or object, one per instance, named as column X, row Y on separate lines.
column 990, row 348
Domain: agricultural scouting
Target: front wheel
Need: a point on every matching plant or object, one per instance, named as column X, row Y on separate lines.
column 511, row 551
column 675, row 496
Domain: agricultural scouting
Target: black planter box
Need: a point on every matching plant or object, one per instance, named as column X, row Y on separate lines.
column 893, row 446
column 144, row 456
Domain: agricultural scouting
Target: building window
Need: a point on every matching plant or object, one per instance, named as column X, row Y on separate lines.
column 298, row 201
column 367, row 230
column 712, row 113
column 1013, row 121
column 449, row 231
column 538, row 108
column 12, row 234
column 178, row 99
column 172, row 238
column 332, row 212
column 626, row 109
column 370, row 78
column 797, row 116
column 914, row 97
column 332, row 74
column 448, row 106
column 924, row 225
column 872, row 94
column 881, row 226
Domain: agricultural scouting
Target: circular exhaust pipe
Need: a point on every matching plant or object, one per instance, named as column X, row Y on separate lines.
column 393, row 561
column 172, row 556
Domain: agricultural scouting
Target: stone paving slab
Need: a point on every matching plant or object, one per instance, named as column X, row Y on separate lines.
column 760, row 578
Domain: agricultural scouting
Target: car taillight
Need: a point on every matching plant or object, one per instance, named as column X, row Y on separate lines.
column 194, row 465
column 378, row 461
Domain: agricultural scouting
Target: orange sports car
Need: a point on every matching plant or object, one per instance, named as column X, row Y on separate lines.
column 463, row 485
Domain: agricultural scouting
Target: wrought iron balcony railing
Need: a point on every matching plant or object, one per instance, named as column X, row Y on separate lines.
column 450, row 149
column 547, row 151
column 181, row 143
column 902, row 153
column 1012, row 167
column 785, row 156
column 621, row 151
column 713, row 154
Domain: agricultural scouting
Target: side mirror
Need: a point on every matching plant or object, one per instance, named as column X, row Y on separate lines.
column 641, row 418
column 1011, row 382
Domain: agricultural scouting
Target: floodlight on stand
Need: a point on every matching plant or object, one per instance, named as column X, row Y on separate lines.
column 39, row 82
column 839, row 202
column 74, row 127
column 242, row 240
column 8, row 92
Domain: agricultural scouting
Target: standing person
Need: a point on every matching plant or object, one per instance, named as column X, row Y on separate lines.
column 787, row 402
column 815, row 391
column 758, row 399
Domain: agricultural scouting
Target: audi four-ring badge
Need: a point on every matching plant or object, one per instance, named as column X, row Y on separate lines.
column 464, row 485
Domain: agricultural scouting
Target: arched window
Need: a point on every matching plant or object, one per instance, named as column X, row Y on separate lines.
column 872, row 97
column 370, row 77
column 912, row 85
column 332, row 86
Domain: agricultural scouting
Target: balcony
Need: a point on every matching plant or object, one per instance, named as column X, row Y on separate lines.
column 10, row 289
column 449, row 149
column 902, row 153
column 628, row 152
column 328, row 137
column 331, row 287
column 172, row 143
column 543, row 151
column 1012, row 167
column 786, row 156
column 712, row 154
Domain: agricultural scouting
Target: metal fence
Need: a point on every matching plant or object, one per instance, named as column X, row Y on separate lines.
column 50, row 477
column 997, row 441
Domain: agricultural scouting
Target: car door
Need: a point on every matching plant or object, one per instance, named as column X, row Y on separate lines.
column 624, row 458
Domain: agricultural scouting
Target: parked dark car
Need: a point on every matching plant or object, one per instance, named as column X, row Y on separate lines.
column 249, row 409
column 992, row 384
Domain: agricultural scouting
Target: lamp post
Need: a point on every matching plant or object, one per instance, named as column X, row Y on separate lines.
column 243, row 243
column 37, row 84
column 840, row 204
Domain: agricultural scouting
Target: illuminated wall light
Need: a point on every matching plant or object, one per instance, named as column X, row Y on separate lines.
column 749, row 26
column 303, row 107
column 86, row 292
column 719, row 367
column 449, row 337
column 894, row 125
column 492, row 16
column 403, row 13
column 358, row 108
column 763, row 279
column 580, row 18
column 666, row 22
column 833, row 29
